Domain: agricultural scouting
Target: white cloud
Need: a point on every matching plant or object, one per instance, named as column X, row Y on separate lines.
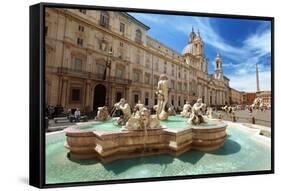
column 148, row 17
column 259, row 43
column 248, row 83
column 242, row 71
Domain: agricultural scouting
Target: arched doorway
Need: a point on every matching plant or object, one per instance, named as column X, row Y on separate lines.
column 99, row 96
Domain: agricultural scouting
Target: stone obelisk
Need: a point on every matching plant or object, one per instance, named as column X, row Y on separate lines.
column 257, row 78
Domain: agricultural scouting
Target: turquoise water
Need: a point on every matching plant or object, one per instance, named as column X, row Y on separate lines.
column 174, row 122
column 242, row 151
column 178, row 122
column 110, row 125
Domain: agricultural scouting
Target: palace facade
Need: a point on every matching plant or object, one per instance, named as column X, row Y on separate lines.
column 94, row 58
column 266, row 97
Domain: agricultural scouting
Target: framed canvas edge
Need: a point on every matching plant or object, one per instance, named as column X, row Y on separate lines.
column 40, row 88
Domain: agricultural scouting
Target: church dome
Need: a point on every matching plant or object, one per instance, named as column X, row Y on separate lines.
column 189, row 49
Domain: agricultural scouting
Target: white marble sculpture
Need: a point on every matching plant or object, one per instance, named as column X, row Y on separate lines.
column 228, row 109
column 172, row 111
column 137, row 108
column 126, row 110
column 258, row 104
column 162, row 98
column 102, row 114
column 196, row 116
column 186, row 112
column 210, row 112
column 143, row 121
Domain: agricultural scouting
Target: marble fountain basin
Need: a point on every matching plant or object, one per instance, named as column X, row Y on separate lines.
column 110, row 143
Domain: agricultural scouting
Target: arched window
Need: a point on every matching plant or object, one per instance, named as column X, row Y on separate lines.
column 104, row 19
column 138, row 36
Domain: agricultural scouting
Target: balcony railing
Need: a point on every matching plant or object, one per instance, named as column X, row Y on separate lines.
column 90, row 75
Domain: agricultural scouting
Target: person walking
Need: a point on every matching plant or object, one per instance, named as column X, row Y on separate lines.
column 77, row 115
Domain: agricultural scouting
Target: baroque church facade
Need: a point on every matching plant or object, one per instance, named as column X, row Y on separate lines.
column 94, row 58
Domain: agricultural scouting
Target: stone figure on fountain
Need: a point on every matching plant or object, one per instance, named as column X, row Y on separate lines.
column 102, row 114
column 196, row 116
column 162, row 98
column 137, row 108
column 142, row 121
column 258, row 104
column 186, row 112
column 172, row 111
column 210, row 112
column 126, row 111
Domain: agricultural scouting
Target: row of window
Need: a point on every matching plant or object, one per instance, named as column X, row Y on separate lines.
column 76, row 97
column 104, row 22
column 120, row 72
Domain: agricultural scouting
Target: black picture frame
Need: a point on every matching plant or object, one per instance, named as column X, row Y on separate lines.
column 37, row 95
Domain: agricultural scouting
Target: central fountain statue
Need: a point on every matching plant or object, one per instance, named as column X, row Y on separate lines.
column 162, row 98
column 197, row 111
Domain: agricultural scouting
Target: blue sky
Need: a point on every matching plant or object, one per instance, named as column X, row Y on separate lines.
column 242, row 43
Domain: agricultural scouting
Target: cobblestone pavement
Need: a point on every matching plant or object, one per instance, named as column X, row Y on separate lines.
column 261, row 118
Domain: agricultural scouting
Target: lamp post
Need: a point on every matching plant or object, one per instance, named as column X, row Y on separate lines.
column 108, row 65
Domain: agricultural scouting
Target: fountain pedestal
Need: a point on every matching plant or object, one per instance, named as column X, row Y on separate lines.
column 110, row 146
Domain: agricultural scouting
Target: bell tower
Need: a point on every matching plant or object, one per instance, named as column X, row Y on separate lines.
column 218, row 67
column 192, row 36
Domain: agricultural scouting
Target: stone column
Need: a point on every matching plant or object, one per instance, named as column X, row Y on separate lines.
column 89, row 62
column 67, row 57
column 64, row 93
column 128, row 94
column 206, row 94
column 218, row 97
column 213, row 96
column 113, row 95
column 91, row 94
column 87, row 93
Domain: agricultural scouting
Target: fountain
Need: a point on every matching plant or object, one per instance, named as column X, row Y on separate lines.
column 143, row 134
